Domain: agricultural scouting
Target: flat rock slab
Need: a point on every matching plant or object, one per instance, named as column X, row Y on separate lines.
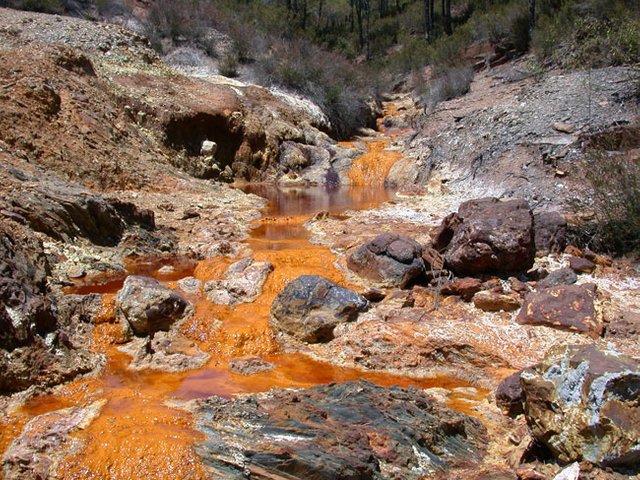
column 566, row 307
column 349, row 431
column 166, row 351
column 45, row 441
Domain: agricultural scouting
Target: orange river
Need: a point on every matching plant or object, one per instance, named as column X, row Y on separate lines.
column 137, row 435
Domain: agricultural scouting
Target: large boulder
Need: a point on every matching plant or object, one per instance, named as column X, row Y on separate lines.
column 310, row 307
column 566, row 307
column 345, row 431
column 582, row 403
column 148, row 306
column 488, row 235
column 389, row 260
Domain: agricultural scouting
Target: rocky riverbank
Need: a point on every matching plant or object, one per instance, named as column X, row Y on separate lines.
column 157, row 320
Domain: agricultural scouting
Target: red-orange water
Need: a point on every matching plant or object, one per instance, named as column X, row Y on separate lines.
column 137, row 435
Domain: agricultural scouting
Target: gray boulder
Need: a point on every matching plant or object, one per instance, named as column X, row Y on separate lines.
column 148, row 306
column 310, row 307
column 388, row 260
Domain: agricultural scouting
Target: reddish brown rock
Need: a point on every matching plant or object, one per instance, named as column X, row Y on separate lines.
column 581, row 265
column 509, row 395
column 550, row 232
column 463, row 287
column 567, row 307
column 494, row 302
column 625, row 325
column 389, row 260
column 488, row 235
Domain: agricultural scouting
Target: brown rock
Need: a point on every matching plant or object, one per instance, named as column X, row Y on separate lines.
column 567, row 307
column 550, row 232
column 581, row 265
column 389, row 260
column 509, row 395
column 489, row 235
column 625, row 325
column 564, row 127
column 341, row 431
column 573, row 250
column 463, row 287
column 518, row 286
column 494, row 302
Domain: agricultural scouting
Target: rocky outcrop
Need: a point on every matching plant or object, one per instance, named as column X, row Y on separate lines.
column 567, row 307
column 242, row 283
column 46, row 440
column 582, row 403
column 388, row 260
column 345, row 431
column 310, row 307
column 36, row 348
column 147, row 306
column 488, row 235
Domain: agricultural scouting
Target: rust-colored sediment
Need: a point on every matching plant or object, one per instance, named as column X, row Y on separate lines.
column 137, row 435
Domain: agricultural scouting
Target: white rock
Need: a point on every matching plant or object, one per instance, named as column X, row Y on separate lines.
column 208, row 148
column 572, row 472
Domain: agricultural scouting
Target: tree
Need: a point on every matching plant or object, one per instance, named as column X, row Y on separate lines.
column 532, row 16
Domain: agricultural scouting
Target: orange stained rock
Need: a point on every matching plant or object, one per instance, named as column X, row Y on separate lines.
column 372, row 168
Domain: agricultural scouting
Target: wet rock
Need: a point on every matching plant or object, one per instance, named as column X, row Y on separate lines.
column 166, row 351
column 463, row 287
column 494, row 302
column 243, row 283
column 566, row 307
column 489, row 235
column 550, row 232
column 310, row 307
column 148, row 306
column 581, row 265
column 45, row 441
column 562, row 276
column 509, row 395
column 389, row 260
column 581, row 402
column 348, row 431
column 190, row 285
column 249, row 366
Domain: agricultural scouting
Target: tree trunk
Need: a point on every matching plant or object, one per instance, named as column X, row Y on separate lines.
column 447, row 17
column 532, row 16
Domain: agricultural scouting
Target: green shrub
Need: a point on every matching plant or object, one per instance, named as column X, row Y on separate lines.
column 42, row 6
column 616, row 185
column 452, row 83
column 228, row 66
